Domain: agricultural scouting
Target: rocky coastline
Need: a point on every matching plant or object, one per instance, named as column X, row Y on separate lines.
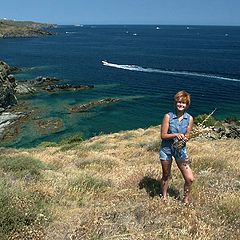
column 14, row 113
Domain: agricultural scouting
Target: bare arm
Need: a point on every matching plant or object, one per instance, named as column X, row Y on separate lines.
column 164, row 130
column 189, row 129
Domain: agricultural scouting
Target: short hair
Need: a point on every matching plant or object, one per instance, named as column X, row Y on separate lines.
column 184, row 95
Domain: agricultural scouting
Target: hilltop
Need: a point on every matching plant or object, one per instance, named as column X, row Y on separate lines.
column 107, row 187
column 10, row 28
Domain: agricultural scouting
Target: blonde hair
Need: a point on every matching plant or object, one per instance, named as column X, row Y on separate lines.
column 185, row 96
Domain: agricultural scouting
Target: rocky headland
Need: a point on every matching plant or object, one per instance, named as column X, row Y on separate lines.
column 10, row 28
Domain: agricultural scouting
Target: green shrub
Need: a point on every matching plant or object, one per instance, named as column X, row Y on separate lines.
column 48, row 144
column 96, row 146
column 72, row 146
column 20, row 210
column 71, row 139
column 22, row 166
column 211, row 121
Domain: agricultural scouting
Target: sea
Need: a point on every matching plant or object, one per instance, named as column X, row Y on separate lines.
column 142, row 65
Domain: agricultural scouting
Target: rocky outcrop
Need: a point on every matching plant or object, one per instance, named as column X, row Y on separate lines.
column 24, row 88
column 43, row 81
column 87, row 106
column 47, row 84
column 222, row 130
column 7, row 87
column 35, row 85
column 7, row 119
column 227, row 130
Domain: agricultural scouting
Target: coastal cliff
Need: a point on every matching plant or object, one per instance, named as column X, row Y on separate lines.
column 10, row 28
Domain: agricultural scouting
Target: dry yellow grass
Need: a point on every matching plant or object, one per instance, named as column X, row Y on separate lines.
column 108, row 188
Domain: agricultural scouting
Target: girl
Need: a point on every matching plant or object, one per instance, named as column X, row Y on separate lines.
column 176, row 127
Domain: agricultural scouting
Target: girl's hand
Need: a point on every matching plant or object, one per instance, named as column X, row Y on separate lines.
column 181, row 136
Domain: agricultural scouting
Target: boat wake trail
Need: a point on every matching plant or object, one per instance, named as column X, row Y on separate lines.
column 177, row 73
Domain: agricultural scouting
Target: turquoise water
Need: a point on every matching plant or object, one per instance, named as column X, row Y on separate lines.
column 145, row 68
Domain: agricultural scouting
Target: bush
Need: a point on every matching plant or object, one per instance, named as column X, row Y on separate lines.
column 48, row 144
column 22, row 166
column 72, row 139
column 211, row 121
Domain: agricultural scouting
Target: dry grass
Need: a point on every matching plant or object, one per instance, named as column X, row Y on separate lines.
column 108, row 188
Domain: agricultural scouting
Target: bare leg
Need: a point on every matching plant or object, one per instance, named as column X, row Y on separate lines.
column 166, row 172
column 188, row 177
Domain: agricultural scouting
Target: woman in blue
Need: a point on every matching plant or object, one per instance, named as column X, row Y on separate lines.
column 176, row 127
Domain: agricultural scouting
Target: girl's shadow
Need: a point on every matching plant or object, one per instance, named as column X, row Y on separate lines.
column 153, row 188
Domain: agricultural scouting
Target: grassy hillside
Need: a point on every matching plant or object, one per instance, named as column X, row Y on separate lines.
column 108, row 188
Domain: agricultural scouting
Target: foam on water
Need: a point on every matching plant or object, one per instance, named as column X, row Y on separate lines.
column 154, row 70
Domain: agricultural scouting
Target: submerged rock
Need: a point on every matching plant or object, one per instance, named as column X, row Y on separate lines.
column 69, row 87
column 87, row 106
column 46, row 126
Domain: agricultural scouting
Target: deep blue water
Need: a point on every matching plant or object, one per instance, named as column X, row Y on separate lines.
column 204, row 60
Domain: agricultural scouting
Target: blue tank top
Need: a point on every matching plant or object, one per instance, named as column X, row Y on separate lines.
column 176, row 127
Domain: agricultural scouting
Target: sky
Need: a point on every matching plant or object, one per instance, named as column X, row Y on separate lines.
column 177, row 12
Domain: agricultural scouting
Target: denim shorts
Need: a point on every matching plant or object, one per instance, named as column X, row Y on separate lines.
column 167, row 153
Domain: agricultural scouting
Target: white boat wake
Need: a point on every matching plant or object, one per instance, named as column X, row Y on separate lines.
column 177, row 73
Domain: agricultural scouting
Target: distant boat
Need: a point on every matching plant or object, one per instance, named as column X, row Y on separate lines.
column 134, row 34
column 157, row 28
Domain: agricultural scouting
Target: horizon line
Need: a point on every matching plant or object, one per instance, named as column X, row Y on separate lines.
column 142, row 24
